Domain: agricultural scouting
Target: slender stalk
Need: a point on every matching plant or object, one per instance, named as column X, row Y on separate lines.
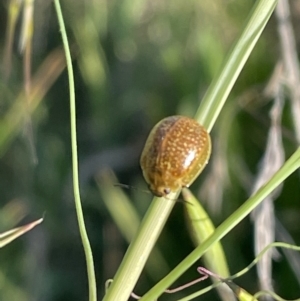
column 140, row 248
column 80, row 218
column 218, row 91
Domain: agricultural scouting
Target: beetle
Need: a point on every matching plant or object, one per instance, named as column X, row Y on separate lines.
column 176, row 151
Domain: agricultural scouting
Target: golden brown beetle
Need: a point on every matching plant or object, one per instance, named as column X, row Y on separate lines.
column 176, row 151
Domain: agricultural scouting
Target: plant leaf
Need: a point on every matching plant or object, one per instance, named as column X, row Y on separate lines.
column 8, row 236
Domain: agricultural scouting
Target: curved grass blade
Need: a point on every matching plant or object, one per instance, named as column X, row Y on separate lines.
column 201, row 227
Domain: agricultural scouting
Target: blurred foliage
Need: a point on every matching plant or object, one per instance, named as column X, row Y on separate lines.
column 135, row 63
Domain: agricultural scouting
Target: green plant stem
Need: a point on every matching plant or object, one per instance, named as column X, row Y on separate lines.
column 218, row 91
column 140, row 248
column 80, row 218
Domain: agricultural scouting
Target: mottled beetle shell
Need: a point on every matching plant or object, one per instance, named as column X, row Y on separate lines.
column 176, row 151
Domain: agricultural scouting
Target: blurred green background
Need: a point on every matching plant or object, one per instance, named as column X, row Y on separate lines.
column 135, row 62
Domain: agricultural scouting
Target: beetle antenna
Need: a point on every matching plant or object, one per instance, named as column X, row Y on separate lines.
column 130, row 187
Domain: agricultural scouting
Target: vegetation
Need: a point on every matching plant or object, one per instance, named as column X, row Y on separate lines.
column 136, row 62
